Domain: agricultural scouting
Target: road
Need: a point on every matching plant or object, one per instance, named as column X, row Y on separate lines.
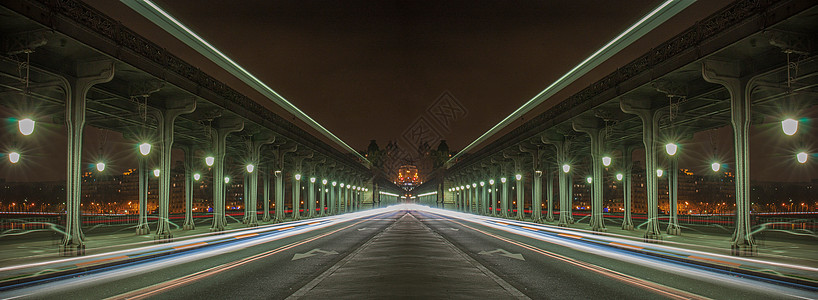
column 527, row 265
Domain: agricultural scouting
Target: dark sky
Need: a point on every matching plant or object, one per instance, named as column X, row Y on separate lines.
column 369, row 69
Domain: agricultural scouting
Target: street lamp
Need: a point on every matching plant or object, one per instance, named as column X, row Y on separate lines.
column 197, row 176
column 14, row 157
column 789, row 126
column 671, row 148
column 482, row 183
column 606, row 161
column 250, row 168
column 334, row 183
column 715, row 166
column 26, row 126
column 566, row 168
column 659, row 172
column 297, row 176
column 802, row 157
column 227, row 180
column 518, row 177
column 145, row 148
column 156, row 172
column 619, row 176
column 312, row 179
column 503, row 179
column 324, row 181
column 100, row 166
column 210, row 160
column 589, row 179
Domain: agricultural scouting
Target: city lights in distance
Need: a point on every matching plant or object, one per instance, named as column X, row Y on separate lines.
column 802, row 157
column 26, row 126
column 14, row 157
column 789, row 126
column 606, row 161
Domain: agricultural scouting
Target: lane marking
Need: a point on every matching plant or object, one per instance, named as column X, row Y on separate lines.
column 285, row 228
column 178, row 282
column 530, row 228
column 101, row 260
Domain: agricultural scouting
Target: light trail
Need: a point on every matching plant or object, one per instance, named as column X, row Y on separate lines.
column 581, row 241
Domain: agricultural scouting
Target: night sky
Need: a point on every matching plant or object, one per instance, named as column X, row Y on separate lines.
column 368, row 69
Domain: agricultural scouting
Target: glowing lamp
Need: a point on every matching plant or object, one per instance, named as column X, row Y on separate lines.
column 518, row 177
column 802, row 157
column 715, row 166
column 659, row 172
column 324, row 181
column 334, row 183
column 14, row 157
column 145, row 148
column 100, row 166
column 789, row 126
column 474, row 185
column 482, row 183
column 250, row 168
column 589, row 179
column 671, row 148
column 491, row 181
column 503, row 179
column 619, row 176
column 26, row 126
column 312, row 179
column 342, row 184
column 197, row 176
column 210, row 160
column 468, row 186
column 297, row 176
column 606, row 161
column 227, row 180
column 156, row 172
column 566, row 168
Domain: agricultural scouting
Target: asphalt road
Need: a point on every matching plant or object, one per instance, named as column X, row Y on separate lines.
column 277, row 268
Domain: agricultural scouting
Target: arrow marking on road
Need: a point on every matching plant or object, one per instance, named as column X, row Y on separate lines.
column 365, row 228
column 505, row 253
column 312, row 253
column 455, row 229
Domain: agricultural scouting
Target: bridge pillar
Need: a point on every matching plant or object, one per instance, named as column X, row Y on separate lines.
column 561, row 145
column 142, row 227
column 549, row 179
column 483, row 198
column 189, row 183
column 251, row 197
column 673, row 227
column 311, row 197
column 733, row 76
column 536, row 182
column 333, row 203
column 593, row 129
column 87, row 75
column 222, row 128
column 520, row 195
column 297, row 197
column 279, row 152
column 266, row 193
column 504, row 197
column 650, row 124
column 165, row 118
column 627, row 178
column 322, row 201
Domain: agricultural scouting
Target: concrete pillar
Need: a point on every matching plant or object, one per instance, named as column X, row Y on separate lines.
column 550, row 191
column 251, row 185
column 142, row 227
column 504, row 197
column 732, row 75
column 322, row 201
column 561, row 145
column 493, row 197
column 189, row 184
column 86, row 76
column 627, row 178
column 297, row 196
column 650, row 124
column 311, row 197
column 536, row 199
column 279, row 152
column 672, row 187
column 483, row 198
column 266, row 194
column 333, row 196
column 520, row 196
column 246, row 196
column 166, row 117
column 221, row 128
column 593, row 129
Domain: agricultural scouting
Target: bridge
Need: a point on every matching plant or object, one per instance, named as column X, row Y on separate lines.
column 565, row 198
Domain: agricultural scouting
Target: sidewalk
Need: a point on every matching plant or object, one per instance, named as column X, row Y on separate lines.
column 420, row 263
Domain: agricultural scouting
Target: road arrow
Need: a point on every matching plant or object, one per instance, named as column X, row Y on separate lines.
column 505, row 253
column 311, row 253
column 365, row 228
column 455, row 229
